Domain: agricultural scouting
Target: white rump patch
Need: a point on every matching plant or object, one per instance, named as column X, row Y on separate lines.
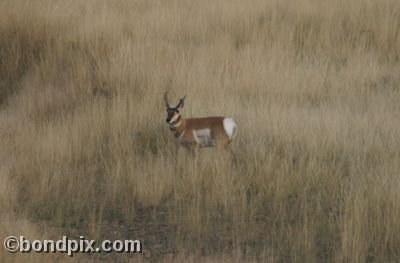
column 202, row 137
column 230, row 127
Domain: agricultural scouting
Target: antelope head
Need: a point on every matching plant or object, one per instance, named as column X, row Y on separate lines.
column 173, row 116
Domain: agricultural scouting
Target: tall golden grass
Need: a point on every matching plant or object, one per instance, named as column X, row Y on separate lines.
column 313, row 85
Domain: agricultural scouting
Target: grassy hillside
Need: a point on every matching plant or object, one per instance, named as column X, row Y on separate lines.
column 314, row 87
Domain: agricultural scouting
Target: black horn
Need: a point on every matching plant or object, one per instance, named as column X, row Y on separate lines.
column 181, row 102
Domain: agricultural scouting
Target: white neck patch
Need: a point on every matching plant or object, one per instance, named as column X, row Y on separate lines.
column 176, row 116
column 171, row 125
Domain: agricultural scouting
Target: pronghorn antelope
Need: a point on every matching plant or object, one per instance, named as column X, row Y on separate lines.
column 200, row 132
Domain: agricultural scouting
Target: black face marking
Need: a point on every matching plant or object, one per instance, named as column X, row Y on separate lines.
column 171, row 113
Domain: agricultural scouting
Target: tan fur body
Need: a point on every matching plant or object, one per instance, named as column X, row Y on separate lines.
column 184, row 132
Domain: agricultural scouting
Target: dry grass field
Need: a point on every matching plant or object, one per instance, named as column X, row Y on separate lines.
column 314, row 87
